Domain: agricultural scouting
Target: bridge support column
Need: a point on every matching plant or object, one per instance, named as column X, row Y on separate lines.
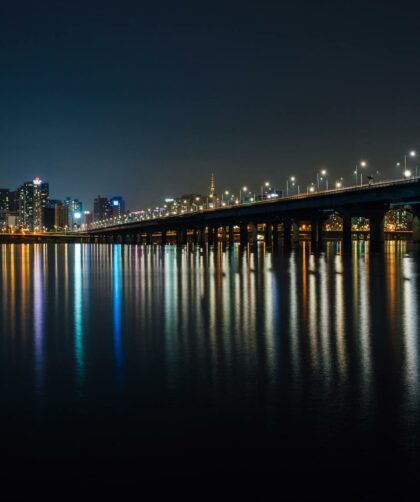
column 254, row 234
column 347, row 241
column 377, row 231
column 224, row 236
column 164, row 238
column 181, row 237
column 268, row 236
column 416, row 228
column 287, row 233
column 201, row 237
column 316, row 233
column 195, row 236
column 243, row 233
column 210, row 235
column 275, row 234
column 149, row 239
column 231, row 235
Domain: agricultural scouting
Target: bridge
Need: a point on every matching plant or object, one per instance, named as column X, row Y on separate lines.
column 278, row 216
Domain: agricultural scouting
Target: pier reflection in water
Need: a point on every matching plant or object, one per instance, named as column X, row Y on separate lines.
column 114, row 353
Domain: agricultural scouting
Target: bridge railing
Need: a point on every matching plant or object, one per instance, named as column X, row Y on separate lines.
column 302, row 195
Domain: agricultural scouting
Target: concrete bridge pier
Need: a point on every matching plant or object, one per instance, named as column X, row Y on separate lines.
column 347, row 240
column 201, row 236
column 243, row 233
column 416, row 224
column 163, row 238
column 287, row 233
column 268, row 234
column 275, row 234
column 416, row 228
column 231, row 235
column 149, row 238
column 224, row 239
column 377, row 231
column 316, row 233
column 253, row 237
column 195, row 236
column 181, row 237
column 210, row 235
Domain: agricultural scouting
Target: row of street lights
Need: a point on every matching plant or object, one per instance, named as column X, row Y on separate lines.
column 292, row 185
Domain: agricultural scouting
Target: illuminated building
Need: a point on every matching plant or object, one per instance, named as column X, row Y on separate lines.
column 33, row 197
column 87, row 218
column 397, row 219
column 4, row 199
column 117, row 207
column 4, row 205
column 75, row 208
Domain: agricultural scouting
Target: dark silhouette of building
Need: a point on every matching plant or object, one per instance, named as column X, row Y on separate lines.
column 61, row 216
column 101, row 208
column 48, row 217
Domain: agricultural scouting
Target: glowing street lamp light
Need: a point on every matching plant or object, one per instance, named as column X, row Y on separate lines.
column 244, row 189
column 320, row 178
column 292, row 180
column 361, row 164
column 412, row 154
column 407, row 173
column 266, row 185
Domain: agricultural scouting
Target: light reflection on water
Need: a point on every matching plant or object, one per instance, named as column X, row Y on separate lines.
column 298, row 339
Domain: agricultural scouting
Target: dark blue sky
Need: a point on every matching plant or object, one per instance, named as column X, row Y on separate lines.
column 146, row 101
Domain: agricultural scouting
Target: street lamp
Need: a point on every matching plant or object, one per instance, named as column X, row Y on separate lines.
column 267, row 186
column 323, row 175
column 412, row 154
column 363, row 163
column 407, row 173
column 292, row 180
column 226, row 192
column 244, row 189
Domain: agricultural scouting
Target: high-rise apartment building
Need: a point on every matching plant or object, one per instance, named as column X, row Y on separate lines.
column 4, row 199
column 33, row 197
column 101, row 208
column 61, row 216
column 75, row 208
column 117, row 204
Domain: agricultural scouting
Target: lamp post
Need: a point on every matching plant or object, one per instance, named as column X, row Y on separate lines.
column 292, row 180
column 320, row 178
column 412, row 154
column 243, row 189
column 226, row 192
column 267, row 186
column 363, row 163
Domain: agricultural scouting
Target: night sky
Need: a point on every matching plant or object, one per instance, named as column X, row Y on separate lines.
column 145, row 101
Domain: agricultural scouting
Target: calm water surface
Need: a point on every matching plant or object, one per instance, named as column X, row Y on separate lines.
column 183, row 361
